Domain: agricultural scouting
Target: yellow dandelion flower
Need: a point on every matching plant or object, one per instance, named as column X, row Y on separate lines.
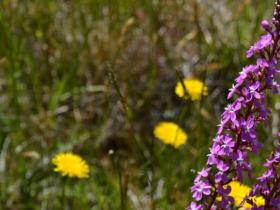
column 194, row 89
column 71, row 165
column 170, row 133
column 239, row 192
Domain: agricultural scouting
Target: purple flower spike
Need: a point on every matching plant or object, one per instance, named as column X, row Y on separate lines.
column 237, row 137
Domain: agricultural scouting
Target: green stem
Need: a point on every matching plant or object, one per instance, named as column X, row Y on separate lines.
column 122, row 190
column 122, row 193
column 63, row 194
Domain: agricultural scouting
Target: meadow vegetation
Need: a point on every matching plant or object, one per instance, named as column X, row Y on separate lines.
column 95, row 78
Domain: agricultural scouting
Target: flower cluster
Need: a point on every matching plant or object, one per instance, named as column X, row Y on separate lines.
column 236, row 136
column 269, row 182
column 170, row 133
column 191, row 88
column 70, row 165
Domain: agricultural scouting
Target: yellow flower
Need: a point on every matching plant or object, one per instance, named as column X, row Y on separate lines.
column 194, row 89
column 239, row 192
column 71, row 165
column 170, row 133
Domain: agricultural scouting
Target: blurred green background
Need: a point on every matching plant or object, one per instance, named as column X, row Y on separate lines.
column 95, row 76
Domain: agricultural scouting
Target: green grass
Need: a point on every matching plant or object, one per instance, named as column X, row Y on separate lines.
column 96, row 76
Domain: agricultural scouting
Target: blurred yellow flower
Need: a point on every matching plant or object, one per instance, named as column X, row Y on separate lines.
column 194, row 89
column 170, row 133
column 71, row 165
column 239, row 192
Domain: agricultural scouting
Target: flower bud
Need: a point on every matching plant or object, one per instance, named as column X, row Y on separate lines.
column 266, row 26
